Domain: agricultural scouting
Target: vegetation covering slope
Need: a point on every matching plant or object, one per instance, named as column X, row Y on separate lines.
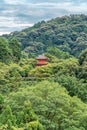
column 68, row 33
column 9, row 50
column 51, row 97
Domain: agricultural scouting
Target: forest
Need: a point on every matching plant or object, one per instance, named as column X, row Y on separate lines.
column 50, row 97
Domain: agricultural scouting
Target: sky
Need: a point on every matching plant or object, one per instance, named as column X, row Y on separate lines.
column 16, row 15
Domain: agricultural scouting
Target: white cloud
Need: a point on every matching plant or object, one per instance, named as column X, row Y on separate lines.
column 81, row 8
column 4, row 32
column 11, row 24
column 69, row 6
column 14, row 2
column 8, row 24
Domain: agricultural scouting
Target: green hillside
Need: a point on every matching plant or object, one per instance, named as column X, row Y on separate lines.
column 68, row 33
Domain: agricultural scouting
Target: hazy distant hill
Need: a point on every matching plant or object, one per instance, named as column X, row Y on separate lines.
column 68, row 33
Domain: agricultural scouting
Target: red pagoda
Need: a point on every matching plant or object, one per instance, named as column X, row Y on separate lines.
column 41, row 60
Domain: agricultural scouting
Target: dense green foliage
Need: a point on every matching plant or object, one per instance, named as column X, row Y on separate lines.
column 5, row 51
column 50, row 97
column 16, row 49
column 56, row 110
column 68, row 33
column 58, row 103
column 9, row 50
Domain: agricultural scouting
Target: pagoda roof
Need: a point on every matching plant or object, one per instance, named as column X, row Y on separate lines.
column 41, row 57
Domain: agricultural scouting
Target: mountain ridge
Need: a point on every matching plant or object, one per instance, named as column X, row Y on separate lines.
column 67, row 33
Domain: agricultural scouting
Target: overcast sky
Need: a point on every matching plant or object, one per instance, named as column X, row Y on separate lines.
column 19, row 14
